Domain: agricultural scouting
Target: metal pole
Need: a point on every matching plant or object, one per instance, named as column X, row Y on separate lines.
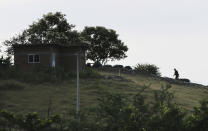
column 78, row 88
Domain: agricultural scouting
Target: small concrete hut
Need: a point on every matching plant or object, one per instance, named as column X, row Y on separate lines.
column 29, row 56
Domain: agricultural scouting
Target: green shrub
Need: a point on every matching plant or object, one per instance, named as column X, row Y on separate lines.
column 27, row 122
column 149, row 69
column 163, row 97
column 199, row 120
column 89, row 73
column 115, row 113
column 167, row 119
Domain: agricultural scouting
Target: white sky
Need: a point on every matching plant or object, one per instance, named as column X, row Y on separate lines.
column 167, row 33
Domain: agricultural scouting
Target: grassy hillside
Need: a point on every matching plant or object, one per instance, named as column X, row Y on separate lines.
column 61, row 97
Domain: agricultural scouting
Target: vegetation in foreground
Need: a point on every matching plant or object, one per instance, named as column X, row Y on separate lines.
column 117, row 113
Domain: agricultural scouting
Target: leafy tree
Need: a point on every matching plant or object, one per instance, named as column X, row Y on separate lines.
column 104, row 44
column 52, row 28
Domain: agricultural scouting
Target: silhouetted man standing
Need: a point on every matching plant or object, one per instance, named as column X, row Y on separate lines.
column 176, row 74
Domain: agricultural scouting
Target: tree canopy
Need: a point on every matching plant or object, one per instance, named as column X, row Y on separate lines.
column 52, row 28
column 104, row 44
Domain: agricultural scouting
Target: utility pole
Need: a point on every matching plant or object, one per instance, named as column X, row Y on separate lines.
column 78, row 89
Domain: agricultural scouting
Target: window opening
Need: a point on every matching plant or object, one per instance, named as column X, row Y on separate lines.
column 33, row 58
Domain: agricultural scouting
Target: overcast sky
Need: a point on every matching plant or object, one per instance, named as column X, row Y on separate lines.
column 167, row 33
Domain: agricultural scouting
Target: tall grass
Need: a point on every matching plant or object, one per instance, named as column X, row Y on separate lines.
column 11, row 85
column 45, row 75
